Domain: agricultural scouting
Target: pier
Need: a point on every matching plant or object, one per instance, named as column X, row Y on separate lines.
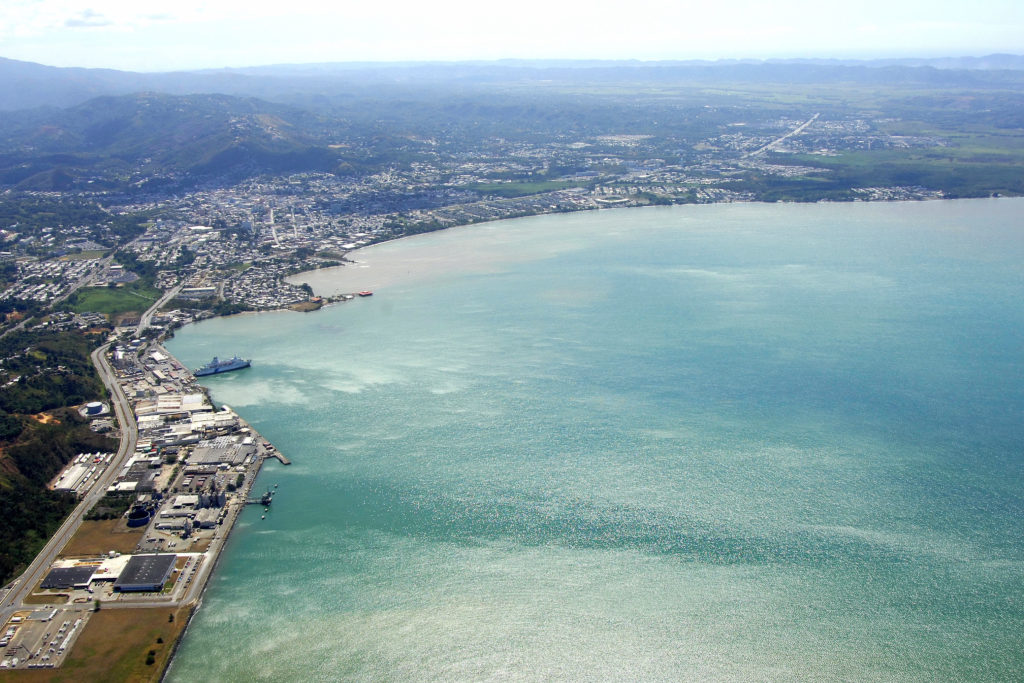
column 270, row 452
column 266, row 499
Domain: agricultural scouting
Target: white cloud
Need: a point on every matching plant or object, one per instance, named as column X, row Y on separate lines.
column 86, row 19
column 193, row 33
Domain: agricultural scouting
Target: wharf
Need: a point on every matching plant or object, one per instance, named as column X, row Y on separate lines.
column 266, row 499
column 270, row 452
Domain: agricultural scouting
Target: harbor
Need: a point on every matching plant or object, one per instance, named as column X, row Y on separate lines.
column 185, row 471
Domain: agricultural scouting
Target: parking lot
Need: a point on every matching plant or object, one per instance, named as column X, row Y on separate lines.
column 42, row 638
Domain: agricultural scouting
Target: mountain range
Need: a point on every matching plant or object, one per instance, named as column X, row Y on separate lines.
column 159, row 136
column 106, row 129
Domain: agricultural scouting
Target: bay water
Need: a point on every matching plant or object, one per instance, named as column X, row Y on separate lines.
column 729, row 442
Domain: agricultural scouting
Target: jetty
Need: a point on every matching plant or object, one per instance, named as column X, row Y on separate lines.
column 264, row 500
column 270, row 452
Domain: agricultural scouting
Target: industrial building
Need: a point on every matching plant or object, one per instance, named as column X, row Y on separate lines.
column 63, row 578
column 185, row 501
column 70, row 480
column 207, row 518
column 141, row 470
column 82, row 472
column 146, row 573
column 173, row 523
column 78, row 574
column 228, row 450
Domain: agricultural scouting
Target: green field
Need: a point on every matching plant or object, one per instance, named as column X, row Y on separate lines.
column 85, row 255
column 969, row 171
column 114, row 301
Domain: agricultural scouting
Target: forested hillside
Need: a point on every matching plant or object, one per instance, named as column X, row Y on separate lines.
column 45, row 376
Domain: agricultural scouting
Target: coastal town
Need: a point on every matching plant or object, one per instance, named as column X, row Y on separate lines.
column 240, row 244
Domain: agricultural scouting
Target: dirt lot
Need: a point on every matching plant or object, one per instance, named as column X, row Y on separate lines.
column 114, row 647
column 101, row 536
column 47, row 598
column 201, row 545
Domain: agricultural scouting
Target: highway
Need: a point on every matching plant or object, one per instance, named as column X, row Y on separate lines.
column 12, row 601
column 796, row 131
column 147, row 317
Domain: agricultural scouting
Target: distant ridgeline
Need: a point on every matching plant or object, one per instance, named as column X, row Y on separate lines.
column 46, row 86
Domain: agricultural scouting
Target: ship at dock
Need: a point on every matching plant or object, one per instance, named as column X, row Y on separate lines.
column 217, row 366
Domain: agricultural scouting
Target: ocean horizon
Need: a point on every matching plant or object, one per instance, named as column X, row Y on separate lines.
column 725, row 442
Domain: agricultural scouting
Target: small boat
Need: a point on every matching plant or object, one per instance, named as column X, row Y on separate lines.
column 365, row 292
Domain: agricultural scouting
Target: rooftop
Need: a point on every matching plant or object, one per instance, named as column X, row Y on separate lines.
column 146, row 570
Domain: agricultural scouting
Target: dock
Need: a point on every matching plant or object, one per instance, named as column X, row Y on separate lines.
column 270, row 452
column 264, row 500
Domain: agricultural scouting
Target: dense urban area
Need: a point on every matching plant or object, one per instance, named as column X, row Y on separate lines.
column 124, row 216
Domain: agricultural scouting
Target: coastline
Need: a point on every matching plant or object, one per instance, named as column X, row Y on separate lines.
column 357, row 259
column 439, row 263
column 243, row 494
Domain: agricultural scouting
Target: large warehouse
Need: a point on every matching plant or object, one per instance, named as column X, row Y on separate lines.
column 68, row 577
column 146, row 573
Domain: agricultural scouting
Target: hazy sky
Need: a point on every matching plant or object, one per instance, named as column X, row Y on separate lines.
column 160, row 35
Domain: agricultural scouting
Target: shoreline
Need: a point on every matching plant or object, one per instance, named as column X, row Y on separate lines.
column 353, row 262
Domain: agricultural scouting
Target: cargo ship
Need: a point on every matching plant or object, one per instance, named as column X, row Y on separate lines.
column 217, row 366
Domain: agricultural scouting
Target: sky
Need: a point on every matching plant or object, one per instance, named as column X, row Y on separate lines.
column 157, row 35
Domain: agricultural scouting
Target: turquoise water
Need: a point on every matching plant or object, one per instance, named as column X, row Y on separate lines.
column 732, row 442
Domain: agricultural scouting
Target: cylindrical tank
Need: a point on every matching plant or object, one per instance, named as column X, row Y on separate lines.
column 93, row 408
column 139, row 516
